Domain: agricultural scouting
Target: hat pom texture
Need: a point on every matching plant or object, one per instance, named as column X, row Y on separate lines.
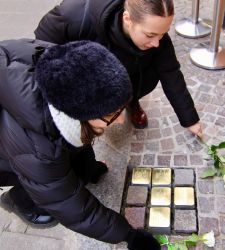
column 83, row 79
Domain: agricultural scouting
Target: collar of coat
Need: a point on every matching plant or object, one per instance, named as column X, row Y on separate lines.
column 69, row 128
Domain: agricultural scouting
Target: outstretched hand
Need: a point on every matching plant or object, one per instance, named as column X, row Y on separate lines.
column 196, row 129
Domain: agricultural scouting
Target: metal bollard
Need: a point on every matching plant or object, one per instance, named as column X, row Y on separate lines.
column 210, row 55
column 193, row 27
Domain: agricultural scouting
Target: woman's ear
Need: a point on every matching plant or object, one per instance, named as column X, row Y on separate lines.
column 126, row 18
column 126, row 22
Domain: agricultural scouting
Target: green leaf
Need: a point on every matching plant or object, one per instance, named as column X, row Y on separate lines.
column 172, row 247
column 213, row 148
column 221, row 171
column 222, row 159
column 216, row 162
column 181, row 246
column 162, row 239
column 193, row 238
column 221, row 145
column 209, row 173
column 191, row 244
column 210, row 152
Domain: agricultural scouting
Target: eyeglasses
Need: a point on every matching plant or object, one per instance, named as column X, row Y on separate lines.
column 115, row 116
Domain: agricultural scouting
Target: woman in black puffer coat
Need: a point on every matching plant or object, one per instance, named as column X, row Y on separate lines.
column 54, row 100
column 136, row 31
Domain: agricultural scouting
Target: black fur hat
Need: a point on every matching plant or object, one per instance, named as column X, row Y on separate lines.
column 83, row 79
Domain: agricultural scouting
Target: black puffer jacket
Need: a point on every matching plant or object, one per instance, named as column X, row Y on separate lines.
column 35, row 151
column 100, row 21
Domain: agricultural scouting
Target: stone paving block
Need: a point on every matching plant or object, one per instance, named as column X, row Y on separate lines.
column 222, row 224
column 205, row 98
column 206, row 187
column 206, row 224
column 209, row 118
column 221, row 111
column 153, row 134
column 137, row 195
column 183, row 177
column 167, row 144
column 15, row 241
column 219, row 187
column 194, row 146
column 180, row 160
column 178, row 128
column 185, row 221
column 220, row 204
column 149, row 159
column 152, row 146
column 137, row 147
column 204, row 88
column 138, row 134
column 167, row 132
column 220, row 122
column 164, row 160
column 135, row 216
column 164, row 122
column 188, row 135
column 135, row 160
column 196, row 160
column 180, row 139
column 153, row 123
column 206, row 204
column 154, row 113
column 174, row 119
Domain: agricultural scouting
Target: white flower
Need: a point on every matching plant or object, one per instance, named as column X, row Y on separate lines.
column 209, row 239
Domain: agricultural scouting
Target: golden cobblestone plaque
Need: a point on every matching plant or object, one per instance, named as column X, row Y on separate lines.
column 184, row 196
column 161, row 196
column 159, row 217
column 141, row 176
column 161, row 176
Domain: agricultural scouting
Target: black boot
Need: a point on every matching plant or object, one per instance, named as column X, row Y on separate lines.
column 31, row 218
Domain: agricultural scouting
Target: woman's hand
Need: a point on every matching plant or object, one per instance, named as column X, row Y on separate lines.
column 196, row 129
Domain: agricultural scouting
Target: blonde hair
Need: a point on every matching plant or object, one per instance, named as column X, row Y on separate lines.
column 140, row 8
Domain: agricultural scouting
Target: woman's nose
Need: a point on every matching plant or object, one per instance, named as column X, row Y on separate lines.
column 155, row 42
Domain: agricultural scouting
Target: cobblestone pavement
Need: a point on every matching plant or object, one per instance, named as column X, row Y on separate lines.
column 163, row 143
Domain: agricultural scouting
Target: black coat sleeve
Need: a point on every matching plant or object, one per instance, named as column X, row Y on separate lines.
column 53, row 27
column 69, row 21
column 174, row 85
column 53, row 186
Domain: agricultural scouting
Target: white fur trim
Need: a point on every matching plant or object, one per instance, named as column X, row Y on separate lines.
column 69, row 128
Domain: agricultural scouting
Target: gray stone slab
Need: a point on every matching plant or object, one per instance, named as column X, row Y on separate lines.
column 109, row 190
column 185, row 221
column 137, row 195
column 15, row 241
column 183, row 177
column 57, row 232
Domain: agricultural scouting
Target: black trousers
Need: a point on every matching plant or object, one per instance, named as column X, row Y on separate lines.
column 82, row 162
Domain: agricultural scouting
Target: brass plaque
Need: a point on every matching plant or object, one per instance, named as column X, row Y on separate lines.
column 141, row 176
column 159, row 217
column 184, row 196
column 161, row 176
column 161, row 196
